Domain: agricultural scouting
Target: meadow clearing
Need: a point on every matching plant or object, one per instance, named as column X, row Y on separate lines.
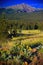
column 34, row 37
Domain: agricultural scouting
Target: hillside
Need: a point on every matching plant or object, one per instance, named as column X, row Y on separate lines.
column 22, row 11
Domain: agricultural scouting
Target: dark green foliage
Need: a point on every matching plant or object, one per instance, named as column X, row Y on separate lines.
column 30, row 27
column 36, row 26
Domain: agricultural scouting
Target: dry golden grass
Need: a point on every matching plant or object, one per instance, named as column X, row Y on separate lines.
column 30, row 31
column 37, row 37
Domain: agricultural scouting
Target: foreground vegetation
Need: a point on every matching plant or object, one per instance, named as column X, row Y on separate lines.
column 22, row 49
column 20, row 53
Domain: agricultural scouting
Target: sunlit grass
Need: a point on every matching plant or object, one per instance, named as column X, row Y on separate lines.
column 30, row 31
column 38, row 37
column 32, row 39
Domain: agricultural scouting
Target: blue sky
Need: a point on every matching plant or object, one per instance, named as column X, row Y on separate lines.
column 34, row 3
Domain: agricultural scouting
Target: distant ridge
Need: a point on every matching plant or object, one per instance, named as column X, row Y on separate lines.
column 23, row 7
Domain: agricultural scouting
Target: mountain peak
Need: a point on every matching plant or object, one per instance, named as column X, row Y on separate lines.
column 23, row 7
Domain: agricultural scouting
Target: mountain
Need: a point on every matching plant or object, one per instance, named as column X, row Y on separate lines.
column 22, row 12
column 22, row 8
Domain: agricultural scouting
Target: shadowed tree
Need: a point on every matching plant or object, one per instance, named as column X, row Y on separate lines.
column 36, row 26
column 30, row 27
